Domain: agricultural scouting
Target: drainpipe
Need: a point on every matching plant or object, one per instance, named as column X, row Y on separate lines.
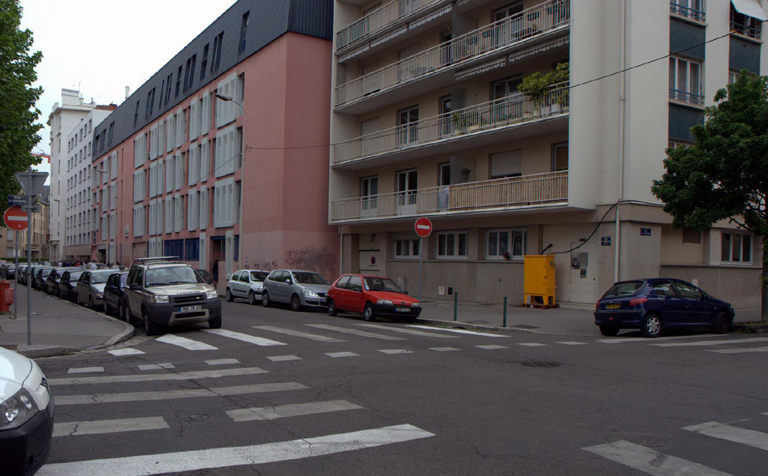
column 622, row 108
column 341, row 253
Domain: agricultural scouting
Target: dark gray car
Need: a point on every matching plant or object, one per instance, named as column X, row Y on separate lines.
column 90, row 287
column 298, row 288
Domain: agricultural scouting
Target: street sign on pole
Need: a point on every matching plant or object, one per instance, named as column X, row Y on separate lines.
column 16, row 219
column 423, row 227
column 16, row 200
column 31, row 182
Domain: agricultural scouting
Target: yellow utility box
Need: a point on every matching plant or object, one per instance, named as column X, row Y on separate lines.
column 539, row 290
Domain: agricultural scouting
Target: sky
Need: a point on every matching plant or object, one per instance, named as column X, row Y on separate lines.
column 102, row 46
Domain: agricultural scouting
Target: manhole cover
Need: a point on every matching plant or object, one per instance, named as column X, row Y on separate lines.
column 544, row 365
column 647, row 441
column 523, row 326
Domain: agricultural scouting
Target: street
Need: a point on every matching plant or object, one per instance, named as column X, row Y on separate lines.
column 280, row 392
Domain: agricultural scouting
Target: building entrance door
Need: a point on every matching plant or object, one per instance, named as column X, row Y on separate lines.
column 582, row 275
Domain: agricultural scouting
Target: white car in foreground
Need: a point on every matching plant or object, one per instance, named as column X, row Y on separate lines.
column 26, row 415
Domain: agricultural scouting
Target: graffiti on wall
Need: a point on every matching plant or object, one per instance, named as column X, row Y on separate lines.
column 264, row 266
column 312, row 259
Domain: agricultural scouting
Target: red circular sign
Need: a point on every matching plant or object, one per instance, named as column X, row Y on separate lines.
column 423, row 227
column 16, row 219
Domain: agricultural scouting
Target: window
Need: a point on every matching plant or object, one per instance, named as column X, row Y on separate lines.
column 139, row 185
column 205, row 160
column 407, row 121
column 181, row 127
column 189, row 76
column 445, row 174
column 193, row 173
column 194, row 121
column 733, row 76
column 506, row 244
column 170, row 173
column 687, row 291
column 111, row 134
column 192, row 249
column 178, row 213
column 693, row 9
column 170, row 136
column 225, row 203
column 369, row 191
column 227, row 153
column 205, row 113
column 560, row 157
column 685, row 81
column 216, row 59
column 452, row 245
column 193, row 214
column 506, row 87
column 139, row 220
column 136, row 115
column 204, row 62
column 150, row 104
column 508, row 11
column 663, row 289
column 180, row 166
column 407, row 188
column 507, row 164
column 406, row 249
column 178, row 80
column 243, row 31
column 204, row 208
column 736, row 248
column 746, row 25
column 168, row 88
column 169, row 214
column 228, row 111
column 140, row 152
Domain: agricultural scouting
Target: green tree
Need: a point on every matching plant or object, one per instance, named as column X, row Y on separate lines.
column 724, row 176
column 18, row 114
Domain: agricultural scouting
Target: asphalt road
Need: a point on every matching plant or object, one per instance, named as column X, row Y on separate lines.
column 305, row 393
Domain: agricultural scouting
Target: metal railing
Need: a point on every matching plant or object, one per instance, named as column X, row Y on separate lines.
column 496, row 36
column 379, row 19
column 684, row 96
column 500, row 193
column 697, row 14
column 496, row 114
column 752, row 31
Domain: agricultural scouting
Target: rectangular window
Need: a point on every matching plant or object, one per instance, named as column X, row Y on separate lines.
column 693, row 9
column 111, row 134
column 243, row 31
column 170, row 173
column 178, row 214
column 216, row 59
column 736, row 248
column 168, row 88
column 733, row 76
column 405, row 249
column 560, row 157
column 685, row 81
column 205, row 160
column 169, row 214
column 193, row 172
column 204, row 209
column 178, row 80
column 204, row 62
column 407, row 121
column 226, row 152
column 506, row 244
column 136, row 116
column 180, row 166
column 170, row 132
column 746, row 25
column 189, row 76
column 228, row 111
column 507, row 164
column 150, row 104
column 205, row 113
column 194, row 122
column 452, row 245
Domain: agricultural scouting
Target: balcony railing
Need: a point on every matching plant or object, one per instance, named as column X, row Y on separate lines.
column 496, row 36
column 379, row 19
column 752, row 31
column 697, row 14
column 491, row 115
column 529, row 190
column 684, row 96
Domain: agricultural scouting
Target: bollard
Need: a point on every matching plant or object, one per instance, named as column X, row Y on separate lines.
column 455, row 305
column 505, row 311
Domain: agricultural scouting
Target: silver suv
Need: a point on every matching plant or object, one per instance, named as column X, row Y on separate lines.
column 165, row 292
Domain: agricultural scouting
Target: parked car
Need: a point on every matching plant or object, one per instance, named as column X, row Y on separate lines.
column 661, row 303
column 41, row 277
column 371, row 296
column 90, row 287
column 51, row 285
column 21, row 275
column 166, row 292
column 68, row 284
column 10, row 271
column 26, row 415
column 207, row 278
column 295, row 287
column 246, row 284
column 113, row 291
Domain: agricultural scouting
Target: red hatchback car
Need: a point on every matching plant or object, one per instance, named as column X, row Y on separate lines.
column 371, row 296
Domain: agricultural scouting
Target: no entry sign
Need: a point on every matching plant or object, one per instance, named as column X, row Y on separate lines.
column 423, row 227
column 16, row 219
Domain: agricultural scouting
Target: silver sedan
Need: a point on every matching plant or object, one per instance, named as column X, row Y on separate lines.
column 90, row 287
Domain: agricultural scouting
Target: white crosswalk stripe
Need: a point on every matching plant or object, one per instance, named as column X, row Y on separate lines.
column 157, row 377
column 102, row 427
column 185, row 343
column 532, row 344
column 85, row 370
column 356, row 332
column 444, row 349
column 337, row 355
column 651, row 462
column 284, row 411
column 395, row 351
column 755, row 439
column 748, row 350
column 458, row 331
column 156, row 366
column 222, row 362
column 491, row 347
column 260, row 341
column 305, row 335
column 123, row 352
column 572, row 343
column 283, row 358
column 410, row 331
column 238, row 456
column 752, row 340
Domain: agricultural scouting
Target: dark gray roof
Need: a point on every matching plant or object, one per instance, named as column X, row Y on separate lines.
column 268, row 20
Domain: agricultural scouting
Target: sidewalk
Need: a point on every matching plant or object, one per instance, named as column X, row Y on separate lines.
column 559, row 321
column 58, row 326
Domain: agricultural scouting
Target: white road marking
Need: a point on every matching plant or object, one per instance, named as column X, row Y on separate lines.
column 356, row 332
column 86, row 370
column 185, row 343
column 175, row 394
column 284, row 411
column 238, row 456
column 75, row 428
column 444, row 349
column 410, row 331
column 740, row 351
column 156, row 366
column 572, row 343
column 157, row 377
column 305, row 335
column 458, row 331
column 122, row 352
column 651, row 462
column 708, row 343
column 395, row 351
column 620, row 340
column 337, row 355
column 755, row 439
column 243, row 337
column 491, row 347
column 283, row 358
column 222, row 362
column 532, row 344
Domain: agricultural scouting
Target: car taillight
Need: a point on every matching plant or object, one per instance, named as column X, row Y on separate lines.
column 597, row 305
column 636, row 302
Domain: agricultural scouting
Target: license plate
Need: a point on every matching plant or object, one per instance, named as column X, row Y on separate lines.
column 190, row 308
column 403, row 309
column 613, row 306
column 322, row 299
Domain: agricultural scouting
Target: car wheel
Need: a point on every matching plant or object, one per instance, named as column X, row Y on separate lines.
column 609, row 331
column 107, row 309
column 125, row 311
column 90, row 303
column 265, row 299
column 332, row 311
column 229, row 296
column 252, row 298
column 150, row 328
column 295, row 303
column 215, row 323
column 651, row 326
column 368, row 313
column 721, row 323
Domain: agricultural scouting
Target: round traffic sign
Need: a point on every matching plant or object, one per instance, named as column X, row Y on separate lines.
column 16, row 219
column 423, row 227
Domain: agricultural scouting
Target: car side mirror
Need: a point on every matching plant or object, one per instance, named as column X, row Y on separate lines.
column 288, row 281
column 135, row 287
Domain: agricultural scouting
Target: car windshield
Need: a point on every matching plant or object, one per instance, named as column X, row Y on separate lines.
column 75, row 276
column 382, row 284
column 309, row 278
column 99, row 277
column 172, row 275
column 258, row 276
column 46, row 272
column 625, row 289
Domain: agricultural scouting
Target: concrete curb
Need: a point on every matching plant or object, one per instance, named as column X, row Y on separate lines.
column 45, row 351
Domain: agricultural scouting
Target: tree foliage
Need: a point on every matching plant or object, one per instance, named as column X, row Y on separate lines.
column 18, row 114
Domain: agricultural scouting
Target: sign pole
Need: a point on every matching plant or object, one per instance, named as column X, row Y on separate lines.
column 16, row 281
column 29, row 263
column 421, row 256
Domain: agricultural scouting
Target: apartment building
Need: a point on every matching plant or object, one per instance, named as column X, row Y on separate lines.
column 529, row 127
column 63, row 119
column 221, row 156
column 77, row 201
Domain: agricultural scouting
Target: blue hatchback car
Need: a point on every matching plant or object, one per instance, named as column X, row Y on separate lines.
column 661, row 303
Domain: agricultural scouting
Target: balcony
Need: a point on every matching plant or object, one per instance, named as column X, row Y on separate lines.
column 498, row 195
column 537, row 23
column 683, row 10
column 684, row 96
column 468, row 127
column 752, row 30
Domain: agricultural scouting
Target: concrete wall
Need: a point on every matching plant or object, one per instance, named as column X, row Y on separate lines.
column 736, row 285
